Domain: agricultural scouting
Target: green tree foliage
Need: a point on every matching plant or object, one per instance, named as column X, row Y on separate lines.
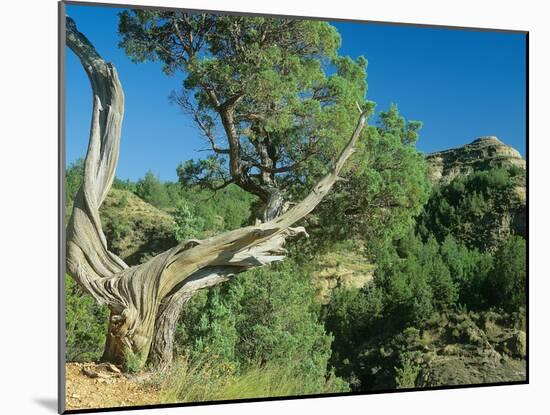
column 349, row 315
column 152, row 191
column 507, row 282
column 413, row 282
column 86, row 324
column 188, row 225
column 473, row 209
column 469, row 270
column 124, row 185
column 73, row 179
column 220, row 210
column 277, row 88
column 384, row 188
column 265, row 316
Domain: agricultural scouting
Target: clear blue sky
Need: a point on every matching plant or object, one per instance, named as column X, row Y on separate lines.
column 460, row 84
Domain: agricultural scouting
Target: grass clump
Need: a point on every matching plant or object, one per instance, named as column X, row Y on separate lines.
column 210, row 380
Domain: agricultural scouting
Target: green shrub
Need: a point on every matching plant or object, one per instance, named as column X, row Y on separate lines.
column 117, row 230
column 133, row 362
column 267, row 316
column 86, row 324
column 188, row 224
column 348, row 316
column 507, row 281
column 469, row 270
column 408, row 370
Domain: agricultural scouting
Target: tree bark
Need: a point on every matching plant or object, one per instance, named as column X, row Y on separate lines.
column 170, row 311
column 137, row 295
column 162, row 349
column 172, row 307
column 276, row 205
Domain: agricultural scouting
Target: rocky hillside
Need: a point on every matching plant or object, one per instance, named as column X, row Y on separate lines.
column 473, row 348
column 454, row 348
column 482, row 154
column 346, row 269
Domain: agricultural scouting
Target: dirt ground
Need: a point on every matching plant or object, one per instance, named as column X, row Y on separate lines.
column 91, row 385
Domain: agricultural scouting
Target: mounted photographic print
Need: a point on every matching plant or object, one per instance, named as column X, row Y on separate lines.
column 260, row 207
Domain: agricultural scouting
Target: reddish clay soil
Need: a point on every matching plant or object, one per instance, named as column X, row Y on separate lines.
column 91, row 385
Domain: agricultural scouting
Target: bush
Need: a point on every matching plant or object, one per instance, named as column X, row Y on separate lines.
column 86, row 324
column 408, row 370
column 469, row 270
column 267, row 316
column 507, row 281
column 348, row 316
column 188, row 224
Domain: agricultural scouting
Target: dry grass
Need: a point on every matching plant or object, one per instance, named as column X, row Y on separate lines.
column 206, row 380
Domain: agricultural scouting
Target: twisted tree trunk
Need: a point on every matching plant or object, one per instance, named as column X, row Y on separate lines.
column 172, row 307
column 140, row 297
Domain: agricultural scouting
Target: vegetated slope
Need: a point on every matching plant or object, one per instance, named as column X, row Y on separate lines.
column 135, row 230
column 349, row 268
column 471, row 348
column 410, row 326
column 453, row 348
column 479, row 192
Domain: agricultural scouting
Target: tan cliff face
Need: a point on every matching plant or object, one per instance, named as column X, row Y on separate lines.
column 346, row 269
column 482, row 154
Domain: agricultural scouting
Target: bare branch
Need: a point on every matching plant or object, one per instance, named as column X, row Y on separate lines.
column 88, row 259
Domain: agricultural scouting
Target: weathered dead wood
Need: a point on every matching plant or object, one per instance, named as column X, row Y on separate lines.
column 135, row 295
column 88, row 259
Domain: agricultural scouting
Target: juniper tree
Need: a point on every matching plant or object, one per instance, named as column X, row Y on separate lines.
column 140, row 297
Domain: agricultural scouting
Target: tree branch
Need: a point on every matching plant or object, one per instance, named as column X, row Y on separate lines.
column 88, row 259
column 222, row 249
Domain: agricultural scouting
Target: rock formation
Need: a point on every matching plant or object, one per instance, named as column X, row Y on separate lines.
column 484, row 153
